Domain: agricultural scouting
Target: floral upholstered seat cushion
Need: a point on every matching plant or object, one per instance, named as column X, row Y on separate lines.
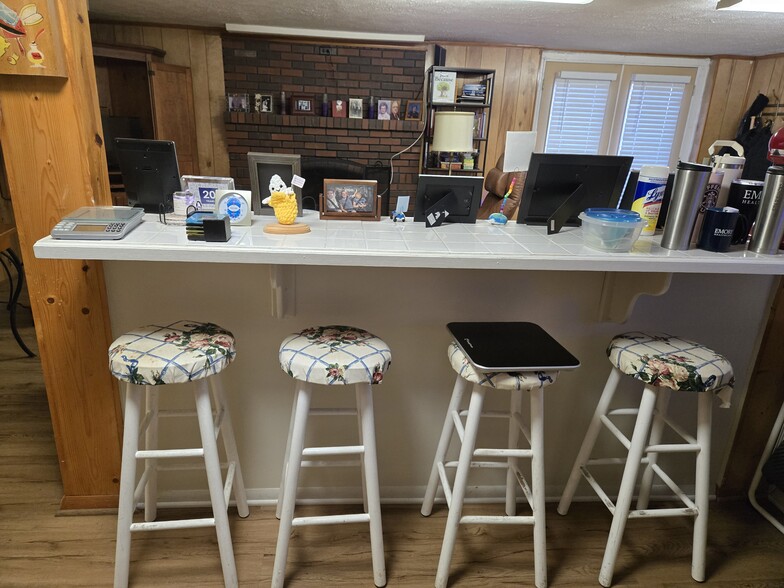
column 171, row 354
column 501, row 380
column 671, row 362
column 335, row 355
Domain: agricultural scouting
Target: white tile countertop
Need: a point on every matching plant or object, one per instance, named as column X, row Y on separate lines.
column 408, row 244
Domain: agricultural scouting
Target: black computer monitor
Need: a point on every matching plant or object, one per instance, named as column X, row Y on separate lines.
column 150, row 172
column 461, row 196
column 558, row 187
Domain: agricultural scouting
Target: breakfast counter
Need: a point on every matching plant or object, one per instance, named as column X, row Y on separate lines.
column 404, row 282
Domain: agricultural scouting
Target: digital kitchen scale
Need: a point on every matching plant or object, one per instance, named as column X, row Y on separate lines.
column 98, row 222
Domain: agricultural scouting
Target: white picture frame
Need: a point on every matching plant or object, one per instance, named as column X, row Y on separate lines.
column 205, row 188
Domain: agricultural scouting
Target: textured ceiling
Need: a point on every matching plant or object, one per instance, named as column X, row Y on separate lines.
column 679, row 27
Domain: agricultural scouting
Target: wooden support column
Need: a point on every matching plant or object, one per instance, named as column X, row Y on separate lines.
column 50, row 131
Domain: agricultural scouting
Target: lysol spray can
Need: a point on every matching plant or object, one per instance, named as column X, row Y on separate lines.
column 688, row 190
column 649, row 195
column 769, row 227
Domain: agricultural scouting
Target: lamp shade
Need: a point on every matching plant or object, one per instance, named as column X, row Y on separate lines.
column 454, row 131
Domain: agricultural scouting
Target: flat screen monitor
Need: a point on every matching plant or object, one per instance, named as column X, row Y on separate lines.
column 460, row 194
column 150, row 172
column 558, row 187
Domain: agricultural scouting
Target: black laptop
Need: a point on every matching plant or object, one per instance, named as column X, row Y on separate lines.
column 511, row 347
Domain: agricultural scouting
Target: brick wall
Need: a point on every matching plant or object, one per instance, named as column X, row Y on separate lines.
column 254, row 65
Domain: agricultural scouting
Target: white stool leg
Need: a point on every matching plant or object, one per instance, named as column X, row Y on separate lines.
column 151, row 465
column 656, row 435
column 590, row 439
column 459, row 486
column 230, row 446
column 279, row 505
column 215, row 481
column 537, row 487
column 515, row 408
column 622, row 504
column 365, row 408
column 461, row 386
column 358, row 393
column 702, row 483
column 122, row 557
column 289, row 498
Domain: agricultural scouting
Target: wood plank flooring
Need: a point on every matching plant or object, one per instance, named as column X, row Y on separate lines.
column 39, row 547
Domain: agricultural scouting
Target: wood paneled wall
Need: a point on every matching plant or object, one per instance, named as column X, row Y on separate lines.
column 768, row 79
column 202, row 52
column 514, row 93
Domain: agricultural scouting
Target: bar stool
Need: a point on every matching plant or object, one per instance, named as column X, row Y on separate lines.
column 533, row 382
column 663, row 363
column 332, row 356
column 146, row 359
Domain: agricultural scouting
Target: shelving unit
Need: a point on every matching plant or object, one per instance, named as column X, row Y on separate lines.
column 431, row 162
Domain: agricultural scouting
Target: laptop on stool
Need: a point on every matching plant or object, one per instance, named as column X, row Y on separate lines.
column 511, row 347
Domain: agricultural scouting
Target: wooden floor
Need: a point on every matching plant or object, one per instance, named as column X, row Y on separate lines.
column 39, row 547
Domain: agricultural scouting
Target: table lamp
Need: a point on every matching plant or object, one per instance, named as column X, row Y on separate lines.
column 453, row 133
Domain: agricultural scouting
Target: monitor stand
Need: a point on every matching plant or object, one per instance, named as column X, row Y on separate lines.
column 566, row 211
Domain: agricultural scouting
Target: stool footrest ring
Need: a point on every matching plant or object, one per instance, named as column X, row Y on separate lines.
column 331, row 520
column 167, row 525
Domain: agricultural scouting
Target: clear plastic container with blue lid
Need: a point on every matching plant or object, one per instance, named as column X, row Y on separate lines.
column 611, row 229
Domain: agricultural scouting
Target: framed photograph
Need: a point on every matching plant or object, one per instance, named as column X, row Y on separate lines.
column 414, row 110
column 383, row 109
column 302, row 105
column 238, row 103
column 263, row 167
column 355, row 108
column 444, row 86
column 205, row 188
column 350, row 199
column 339, row 109
column 262, row 103
column 394, row 110
column 30, row 39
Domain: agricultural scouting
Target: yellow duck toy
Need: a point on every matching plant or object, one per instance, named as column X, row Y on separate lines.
column 283, row 201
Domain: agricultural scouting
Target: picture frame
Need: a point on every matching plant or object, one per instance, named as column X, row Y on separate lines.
column 302, row 104
column 262, row 167
column 31, row 43
column 383, row 109
column 350, row 200
column 414, row 110
column 394, row 110
column 262, row 103
column 205, row 188
column 238, row 102
column 339, row 108
column 355, row 108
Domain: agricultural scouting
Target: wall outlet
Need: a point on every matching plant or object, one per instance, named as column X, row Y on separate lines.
column 328, row 50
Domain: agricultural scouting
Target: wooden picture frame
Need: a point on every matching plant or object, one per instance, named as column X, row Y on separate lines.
column 31, row 43
column 414, row 110
column 262, row 167
column 350, row 200
column 339, row 108
column 302, row 104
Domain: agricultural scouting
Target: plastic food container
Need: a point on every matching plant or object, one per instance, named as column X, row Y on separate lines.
column 610, row 229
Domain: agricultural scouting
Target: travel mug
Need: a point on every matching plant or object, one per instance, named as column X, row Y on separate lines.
column 745, row 195
column 687, row 194
column 718, row 226
column 770, row 219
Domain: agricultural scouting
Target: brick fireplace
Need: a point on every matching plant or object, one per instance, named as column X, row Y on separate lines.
column 254, row 65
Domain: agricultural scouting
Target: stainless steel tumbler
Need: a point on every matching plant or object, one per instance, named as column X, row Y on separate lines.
column 769, row 227
column 687, row 192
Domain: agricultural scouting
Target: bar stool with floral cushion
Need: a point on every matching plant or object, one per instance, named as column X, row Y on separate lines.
column 332, row 355
column 146, row 360
column 663, row 363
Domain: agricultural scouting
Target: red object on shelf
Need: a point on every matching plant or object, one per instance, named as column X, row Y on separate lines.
column 776, row 147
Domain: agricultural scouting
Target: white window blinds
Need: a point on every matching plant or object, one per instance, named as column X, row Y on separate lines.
column 651, row 119
column 577, row 112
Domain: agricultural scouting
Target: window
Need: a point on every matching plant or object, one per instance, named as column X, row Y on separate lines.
column 620, row 105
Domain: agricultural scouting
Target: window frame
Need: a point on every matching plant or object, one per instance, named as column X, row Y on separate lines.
column 626, row 66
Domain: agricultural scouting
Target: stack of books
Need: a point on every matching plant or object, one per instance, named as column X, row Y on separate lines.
column 473, row 93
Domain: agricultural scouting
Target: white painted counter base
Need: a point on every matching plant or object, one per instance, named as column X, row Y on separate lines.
column 405, row 282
